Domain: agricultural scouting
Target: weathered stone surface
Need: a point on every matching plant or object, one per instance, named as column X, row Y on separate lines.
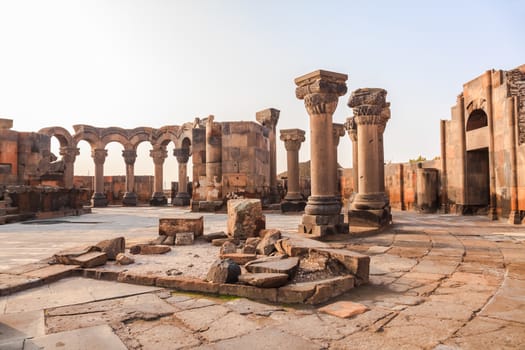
column 249, row 249
column 86, row 260
column 123, row 259
column 344, row 309
column 187, row 284
column 228, row 248
column 264, row 280
column 246, row 306
column 137, row 278
column 357, row 264
column 287, row 266
column 14, row 283
column 239, row 258
column 267, row 244
column 220, row 241
column 66, row 257
column 112, row 247
column 223, row 271
column 295, row 293
column 159, row 240
column 245, row 218
column 214, row 235
column 251, row 292
column 331, row 288
column 100, row 337
column 184, row 238
column 171, row 226
column 147, row 249
column 298, row 246
column 51, row 273
column 170, row 240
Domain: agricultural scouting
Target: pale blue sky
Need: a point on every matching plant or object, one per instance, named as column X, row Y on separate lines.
column 153, row 63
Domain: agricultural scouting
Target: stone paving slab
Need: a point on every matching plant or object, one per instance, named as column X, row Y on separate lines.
column 98, row 337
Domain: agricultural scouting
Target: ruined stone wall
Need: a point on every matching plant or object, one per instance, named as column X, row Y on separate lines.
column 115, row 187
column 245, row 159
column 199, row 164
column 8, row 153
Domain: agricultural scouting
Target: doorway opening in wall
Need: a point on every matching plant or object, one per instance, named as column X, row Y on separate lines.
column 477, row 182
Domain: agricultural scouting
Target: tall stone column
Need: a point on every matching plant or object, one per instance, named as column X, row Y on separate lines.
column 351, row 128
column 69, row 154
column 269, row 118
column 293, row 201
column 213, row 161
column 182, row 198
column 371, row 206
column 320, row 91
column 99, row 197
column 130, row 196
column 159, row 154
column 338, row 132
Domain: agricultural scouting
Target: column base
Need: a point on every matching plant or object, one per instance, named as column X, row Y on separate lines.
column 515, row 217
column 99, row 200
column 319, row 226
column 323, row 205
column 158, row 199
column 181, row 199
column 292, row 206
column 129, row 199
column 370, row 217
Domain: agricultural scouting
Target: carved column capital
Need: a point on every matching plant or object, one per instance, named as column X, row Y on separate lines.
column 69, row 154
column 370, row 107
column 320, row 91
column 130, row 155
column 351, row 128
column 158, row 153
column 99, row 155
column 338, row 131
column 182, row 154
column 268, row 117
column 292, row 138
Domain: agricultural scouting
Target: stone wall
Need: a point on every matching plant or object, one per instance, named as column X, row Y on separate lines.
column 115, row 187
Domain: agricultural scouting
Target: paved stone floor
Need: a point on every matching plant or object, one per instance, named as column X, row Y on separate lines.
column 437, row 282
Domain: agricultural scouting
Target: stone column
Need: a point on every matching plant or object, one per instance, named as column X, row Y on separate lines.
column 99, row 197
column 213, row 160
column 371, row 206
column 69, row 154
column 293, row 201
column 351, row 128
column 320, row 91
column 130, row 196
column 338, row 132
column 182, row 198
column 269, row 118
column 159, row 154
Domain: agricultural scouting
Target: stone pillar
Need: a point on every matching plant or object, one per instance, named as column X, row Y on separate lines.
column 213, row 161
column 371, row 206
column 351, row 127
column 99, row 197
column 159, row 154
column 69, row 154
column 183, row 197
column 445, row 208
column 338, row 131
column 427, row 189
column 130, row 196
column 320, row 91
column 269, row 118
column 293, row 201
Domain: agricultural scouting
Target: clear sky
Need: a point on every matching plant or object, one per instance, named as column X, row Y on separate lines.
column 151, row 63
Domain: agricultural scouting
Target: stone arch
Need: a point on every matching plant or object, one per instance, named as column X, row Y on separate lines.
column 476, row 120
column 64, row 137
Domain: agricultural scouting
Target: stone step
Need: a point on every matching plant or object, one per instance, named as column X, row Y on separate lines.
column 10, row 218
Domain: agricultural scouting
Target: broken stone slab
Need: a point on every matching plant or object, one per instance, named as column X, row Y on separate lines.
column 358, row 264
column 344, row 309
column 251, row 292
column 137, row 278
column 159, row 240
column 123, row 259
column 228, row 248
column 298, row 246
column 267, row 244
column 147, row 249
column 223, row 271
column 286, row 265
column 249, row 249
column 85, row 258
column 187, row 284
column 184, row 238
column 264, row 280
column 214, row 235
column 217, row 242
column 52, row 273
column 315, row 292
column 186, row 223
column 170, row 240
column 112, row 247
column 10, row 284
column 245, row 218
column 239, row 258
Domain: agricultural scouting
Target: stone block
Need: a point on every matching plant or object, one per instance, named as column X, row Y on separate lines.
column 187, row 284
column 296, row 293
column 331, row 288
column 223, row 271
column 264, row 280
column 100, row 274
column 91, row 259
column 369, row 218
column 344, row 309
column 142, row 279
column 112, row 247
column 52, row 273
column 6, row 124
column 250, row 292
column 239, row 258
column 267, row 244
column 214, row 235
column 245, row 218
column 292, row 206
column 298, row 246
column 148, row 249
column 358, row 264
column 218, row 242
column 171, row 226
column 228, row 248
column 184, row 238
column 287, row 265
column 123, row 259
